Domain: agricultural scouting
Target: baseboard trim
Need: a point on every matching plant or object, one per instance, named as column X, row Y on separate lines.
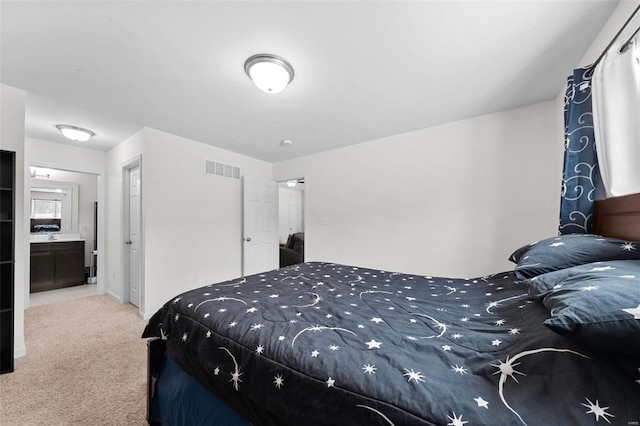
column 19, row 352
column 114, row 296
column 145, row 315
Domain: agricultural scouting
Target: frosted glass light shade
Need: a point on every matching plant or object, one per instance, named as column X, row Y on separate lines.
column 75, row 133
column 269, row 73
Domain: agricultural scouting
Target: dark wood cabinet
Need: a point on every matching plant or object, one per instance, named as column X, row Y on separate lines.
column 41, row 275
column 7, row 258
column 56, row 265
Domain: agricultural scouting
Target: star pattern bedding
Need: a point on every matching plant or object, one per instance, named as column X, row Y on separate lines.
column 328, row 344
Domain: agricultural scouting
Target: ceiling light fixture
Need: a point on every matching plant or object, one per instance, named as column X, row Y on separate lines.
column 270, row 73
column 291, row 183
column 74, row 133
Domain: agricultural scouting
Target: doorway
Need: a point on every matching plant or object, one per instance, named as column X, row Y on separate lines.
column 291, row 216
column 132, row 193
column 80, row 196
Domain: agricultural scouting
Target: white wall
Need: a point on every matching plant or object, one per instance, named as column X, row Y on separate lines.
column 64, row 157
column 433, row 213
column 451, row 200
column 192, row 222
column 12, row 104
column 131, row 148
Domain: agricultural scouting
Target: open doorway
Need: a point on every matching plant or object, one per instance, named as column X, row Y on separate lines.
column 291, row 205
column 62, row 214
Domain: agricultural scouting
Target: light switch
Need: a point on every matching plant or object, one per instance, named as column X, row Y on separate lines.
column 324, row 220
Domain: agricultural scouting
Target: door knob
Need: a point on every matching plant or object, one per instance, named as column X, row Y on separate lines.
column 248, row 239
column 128, row 243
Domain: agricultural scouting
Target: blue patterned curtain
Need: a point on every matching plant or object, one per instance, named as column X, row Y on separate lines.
column 580, row 174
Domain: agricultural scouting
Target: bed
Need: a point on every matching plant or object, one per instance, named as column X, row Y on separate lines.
column 554, row 341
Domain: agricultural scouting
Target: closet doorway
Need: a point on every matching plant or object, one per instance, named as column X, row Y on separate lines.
column 291, row 213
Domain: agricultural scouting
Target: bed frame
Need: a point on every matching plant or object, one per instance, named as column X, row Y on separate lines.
column 616, row 217
column 156, row 348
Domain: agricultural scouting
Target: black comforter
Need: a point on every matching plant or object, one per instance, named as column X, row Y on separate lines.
column 327, row 344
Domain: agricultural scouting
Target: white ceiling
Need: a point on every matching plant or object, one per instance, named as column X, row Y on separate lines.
column 363, row 70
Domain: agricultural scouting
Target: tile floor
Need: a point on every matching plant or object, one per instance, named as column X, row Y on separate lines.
column 68, row 293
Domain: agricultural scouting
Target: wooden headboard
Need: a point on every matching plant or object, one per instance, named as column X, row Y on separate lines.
column 618, row 217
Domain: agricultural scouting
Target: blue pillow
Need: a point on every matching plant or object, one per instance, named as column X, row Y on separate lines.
column 597, row 304
column 570, row 250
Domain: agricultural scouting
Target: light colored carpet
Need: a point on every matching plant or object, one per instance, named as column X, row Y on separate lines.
column 85, row 365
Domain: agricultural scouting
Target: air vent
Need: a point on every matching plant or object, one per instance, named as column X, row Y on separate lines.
column 219, row 169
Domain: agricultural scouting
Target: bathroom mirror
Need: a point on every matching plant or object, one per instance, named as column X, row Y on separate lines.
column 54, row 207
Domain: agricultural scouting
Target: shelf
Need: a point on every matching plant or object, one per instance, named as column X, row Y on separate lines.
column 6, row 241
column 7, row 287
column 7, row 259
column 6, row 341
column 6, row 205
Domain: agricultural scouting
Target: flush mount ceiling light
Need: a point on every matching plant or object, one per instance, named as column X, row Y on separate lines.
column 270, row 73
column 75, row 133
column 291, row 183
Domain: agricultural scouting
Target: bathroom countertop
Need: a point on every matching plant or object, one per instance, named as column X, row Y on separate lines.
column 58, row 238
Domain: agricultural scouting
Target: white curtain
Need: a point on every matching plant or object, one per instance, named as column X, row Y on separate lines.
column 616, row 116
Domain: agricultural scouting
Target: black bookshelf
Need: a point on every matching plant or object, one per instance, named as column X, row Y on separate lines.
column 7, row 258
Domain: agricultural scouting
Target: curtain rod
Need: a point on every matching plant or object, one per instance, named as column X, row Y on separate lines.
column 626, row 45
column 629, row 42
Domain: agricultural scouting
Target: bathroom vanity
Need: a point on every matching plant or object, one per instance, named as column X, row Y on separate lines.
column 56, row 264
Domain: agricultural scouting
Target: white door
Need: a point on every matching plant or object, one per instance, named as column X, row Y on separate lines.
column 295, row 219
column 133, row 241
column 260, row 250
